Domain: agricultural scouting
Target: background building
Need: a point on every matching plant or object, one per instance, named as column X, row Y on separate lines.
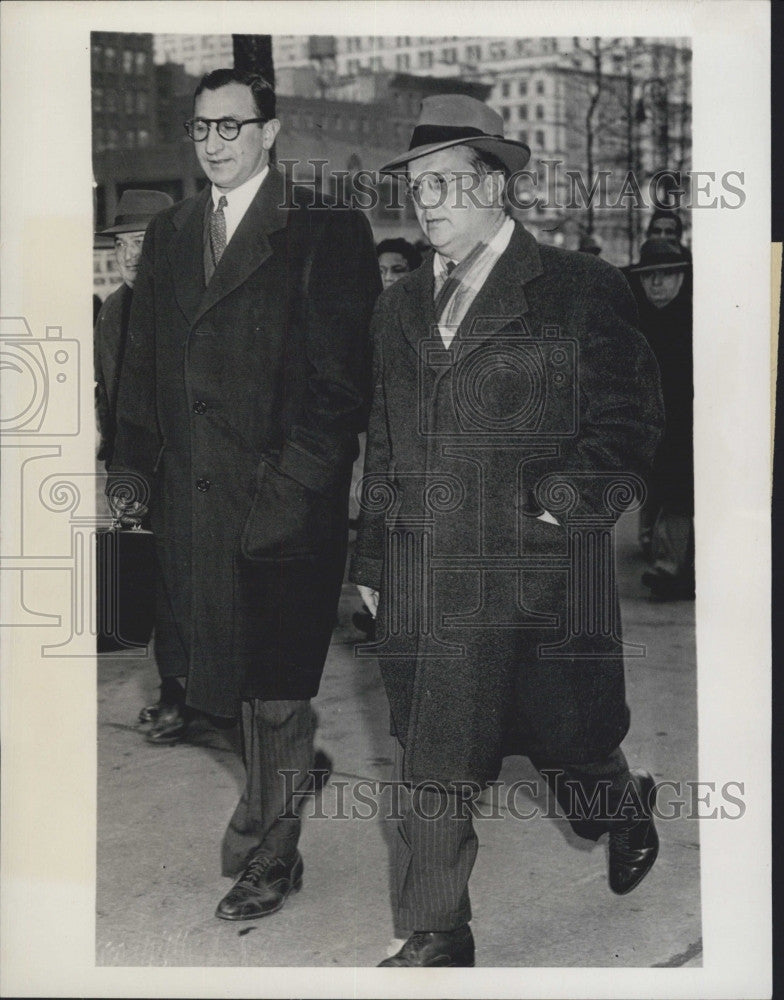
column 196, row 53
column 592, row 108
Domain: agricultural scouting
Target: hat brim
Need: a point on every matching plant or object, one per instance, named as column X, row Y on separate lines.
column 513, row 154
column 126, row 227
column 678, row 265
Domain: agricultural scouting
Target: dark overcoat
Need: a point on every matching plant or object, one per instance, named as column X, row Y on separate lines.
column 111, row 327
column 240, row 404
column 669, row 332
column 547, row 375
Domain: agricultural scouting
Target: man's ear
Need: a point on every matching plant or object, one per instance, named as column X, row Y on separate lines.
column 270, row 131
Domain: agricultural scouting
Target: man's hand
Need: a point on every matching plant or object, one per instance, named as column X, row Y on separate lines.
column 369, row 598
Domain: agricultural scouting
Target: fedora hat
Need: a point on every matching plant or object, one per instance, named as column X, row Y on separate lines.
column 657, row 254
column 136, row 209
column 455, row 120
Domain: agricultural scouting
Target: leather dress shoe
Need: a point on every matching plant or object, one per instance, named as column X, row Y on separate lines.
column 169, row 726
column 449, row 949
column 634, row 846
column 150, row 713
column 262, row 888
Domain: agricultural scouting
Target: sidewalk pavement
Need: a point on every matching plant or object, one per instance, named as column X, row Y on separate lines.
column 540, row 895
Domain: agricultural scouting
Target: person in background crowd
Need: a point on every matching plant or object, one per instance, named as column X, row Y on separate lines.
column 396, row 257
column 245, row 383
column 666, row 224
column 461, row 665
column 667, row 518
column 134, row 213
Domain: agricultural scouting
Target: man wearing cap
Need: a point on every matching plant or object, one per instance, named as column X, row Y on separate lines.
column 512, row 394
column 246, row 380
column 134, row 212
column 665, row 306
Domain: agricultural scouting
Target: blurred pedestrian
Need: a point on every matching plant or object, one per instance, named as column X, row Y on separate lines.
column 134, row 213
column 667, row 519
column 396, row 257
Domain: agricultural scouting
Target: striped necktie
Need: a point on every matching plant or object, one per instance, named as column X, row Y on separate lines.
column 218, row 231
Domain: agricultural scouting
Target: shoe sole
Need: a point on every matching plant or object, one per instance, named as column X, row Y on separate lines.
column 165, row 741
column 295, row 887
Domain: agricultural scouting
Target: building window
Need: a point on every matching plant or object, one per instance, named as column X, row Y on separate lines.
column 130, row 137
column 97, row 98
column 127, row 61
column 426, row 60
column 130, row 102
column 522, row 135
column 505, row 88
column 497, row 50
column 522, row 88
column 144, row 137
column 473, row 53
column 97, row 56
column 375, row 64
column 403, row 61
column 111, row 100
column 520, row 47
column 539, row 137
column 505, row 114
column 539, row 112
column 540, row 86
column 449, row 55
column 141, row 62
column 99, row 140
column 111, row 139
column 141, row 102
column 108, row 58
column 522, row 112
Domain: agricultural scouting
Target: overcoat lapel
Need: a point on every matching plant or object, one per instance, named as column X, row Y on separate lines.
column 418, row 317
column 186, row 254
column 502, row 300
column 247, row 250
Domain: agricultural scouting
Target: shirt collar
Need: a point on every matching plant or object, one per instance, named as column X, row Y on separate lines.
column 240, row 197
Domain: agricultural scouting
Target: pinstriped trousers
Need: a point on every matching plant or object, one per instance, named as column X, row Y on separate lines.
column 277, row 736
column 436, row 846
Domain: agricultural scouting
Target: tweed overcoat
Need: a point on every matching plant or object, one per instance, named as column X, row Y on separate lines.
column 240, row 404
column 547, row 375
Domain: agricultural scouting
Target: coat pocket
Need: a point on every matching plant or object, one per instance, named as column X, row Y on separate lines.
column 286, row 520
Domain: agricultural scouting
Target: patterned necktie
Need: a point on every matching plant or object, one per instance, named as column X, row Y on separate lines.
column 218, row 231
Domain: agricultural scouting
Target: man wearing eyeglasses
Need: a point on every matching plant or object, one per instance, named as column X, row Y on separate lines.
column 513, row 400
column 245, row 384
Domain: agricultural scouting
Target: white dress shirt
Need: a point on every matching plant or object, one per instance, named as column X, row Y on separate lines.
column 238, row 201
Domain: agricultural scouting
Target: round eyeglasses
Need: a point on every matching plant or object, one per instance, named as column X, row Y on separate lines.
column 227, row 128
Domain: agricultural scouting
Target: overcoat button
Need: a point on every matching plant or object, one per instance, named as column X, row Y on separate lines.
column 199, row 406
column 202, row 485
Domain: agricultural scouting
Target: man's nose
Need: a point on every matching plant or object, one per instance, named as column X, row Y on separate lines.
column 213, row 142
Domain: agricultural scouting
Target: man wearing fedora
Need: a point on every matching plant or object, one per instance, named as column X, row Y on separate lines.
column 512, row 394
column 664, row 299
column 134, row 213
column 245, row 383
